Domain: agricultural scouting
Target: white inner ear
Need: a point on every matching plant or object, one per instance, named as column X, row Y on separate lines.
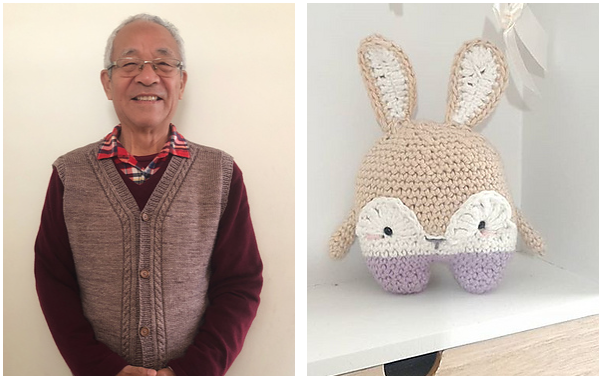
column 478, row 74
column 390, row 80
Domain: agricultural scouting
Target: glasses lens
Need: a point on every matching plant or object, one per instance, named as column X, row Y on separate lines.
column 163, row 66
column 128, row 65
column 166, row 66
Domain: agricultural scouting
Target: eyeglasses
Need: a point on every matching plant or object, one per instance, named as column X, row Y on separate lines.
column 132, row 66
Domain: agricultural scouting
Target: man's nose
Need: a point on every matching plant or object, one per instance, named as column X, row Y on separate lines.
column 147, row 74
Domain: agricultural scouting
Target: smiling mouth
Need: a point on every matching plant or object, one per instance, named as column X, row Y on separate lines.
column 147, row 98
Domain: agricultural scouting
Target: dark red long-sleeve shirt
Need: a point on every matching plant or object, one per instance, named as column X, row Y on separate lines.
column 233, row 291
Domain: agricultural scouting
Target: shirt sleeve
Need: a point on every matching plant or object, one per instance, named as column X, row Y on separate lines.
column 59, row 294
column 233, row 291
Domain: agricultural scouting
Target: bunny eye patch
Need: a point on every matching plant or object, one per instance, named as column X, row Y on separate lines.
column 486, row 210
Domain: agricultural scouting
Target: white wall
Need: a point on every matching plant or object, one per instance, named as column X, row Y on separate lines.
column 239, row 97
column 341, row 123
column 561, row 139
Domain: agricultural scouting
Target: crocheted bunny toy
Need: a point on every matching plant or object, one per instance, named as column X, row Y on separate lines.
column 430, row 191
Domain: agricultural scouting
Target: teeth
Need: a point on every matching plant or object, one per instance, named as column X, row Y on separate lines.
column 147, row 98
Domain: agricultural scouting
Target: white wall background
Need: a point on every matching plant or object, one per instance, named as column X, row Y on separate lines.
column 239, row 97
column 552, row 170
column 561, row 139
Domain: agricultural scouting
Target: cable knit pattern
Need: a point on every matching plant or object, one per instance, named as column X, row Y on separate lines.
column 125, row 210
column 143, row 274
column 430, row 191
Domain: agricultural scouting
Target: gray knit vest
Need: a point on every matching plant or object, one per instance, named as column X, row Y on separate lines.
column 143, row 275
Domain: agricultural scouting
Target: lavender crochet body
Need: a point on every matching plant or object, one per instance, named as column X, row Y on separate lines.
column 475, row 272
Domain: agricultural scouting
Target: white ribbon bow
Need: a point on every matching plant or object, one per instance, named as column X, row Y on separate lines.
column 518, row 20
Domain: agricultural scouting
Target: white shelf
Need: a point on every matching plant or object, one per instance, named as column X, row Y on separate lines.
column 357, row 325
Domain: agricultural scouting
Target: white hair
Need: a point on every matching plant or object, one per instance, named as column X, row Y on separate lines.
column 150, row 18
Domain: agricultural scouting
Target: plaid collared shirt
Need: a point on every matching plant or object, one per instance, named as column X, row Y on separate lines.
column 128, row 164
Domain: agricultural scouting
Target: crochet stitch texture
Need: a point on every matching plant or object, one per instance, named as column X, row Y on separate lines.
column 430, row 191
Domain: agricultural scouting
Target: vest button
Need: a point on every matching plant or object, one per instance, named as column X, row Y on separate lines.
column 145, row 274
column 145, row 217
column 144, row 332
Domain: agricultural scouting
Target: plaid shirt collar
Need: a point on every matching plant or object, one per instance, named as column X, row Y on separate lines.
column 112, row 148
column 128, row 164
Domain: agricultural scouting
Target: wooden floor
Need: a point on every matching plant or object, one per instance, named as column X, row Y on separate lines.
column 566, row 349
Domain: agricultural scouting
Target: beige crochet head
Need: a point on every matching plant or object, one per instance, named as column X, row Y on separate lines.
column 433, row 168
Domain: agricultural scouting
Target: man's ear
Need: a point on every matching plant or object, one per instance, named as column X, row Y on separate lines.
column 183, row 82
column 106, row 82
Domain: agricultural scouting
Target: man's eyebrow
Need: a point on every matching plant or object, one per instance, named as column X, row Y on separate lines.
column 131, row 51
column 161, row 51
column 164, row 51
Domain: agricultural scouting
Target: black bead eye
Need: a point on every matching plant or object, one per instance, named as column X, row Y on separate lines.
column 388, row 231
column 481, row 225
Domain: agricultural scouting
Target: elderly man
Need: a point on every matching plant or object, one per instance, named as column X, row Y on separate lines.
column 146, row 260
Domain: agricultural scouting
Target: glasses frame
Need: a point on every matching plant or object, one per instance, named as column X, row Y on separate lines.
column 142, row 65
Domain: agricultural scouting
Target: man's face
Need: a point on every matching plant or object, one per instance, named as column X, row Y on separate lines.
column 147, row 41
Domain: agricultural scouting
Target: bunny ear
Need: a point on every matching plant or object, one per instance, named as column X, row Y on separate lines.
column 389, row 79
column 478, row 79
